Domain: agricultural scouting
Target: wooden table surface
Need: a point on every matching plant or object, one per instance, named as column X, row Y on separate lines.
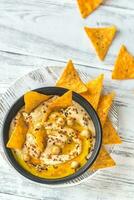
column 36, row 33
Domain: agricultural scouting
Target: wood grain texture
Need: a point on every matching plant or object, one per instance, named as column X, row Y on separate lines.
column 43, row 28
column 15, row 65
column 12, row 197
column 124, row 4
column 48, row 33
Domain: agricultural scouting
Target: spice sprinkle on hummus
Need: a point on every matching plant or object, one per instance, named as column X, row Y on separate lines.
column 55, row 141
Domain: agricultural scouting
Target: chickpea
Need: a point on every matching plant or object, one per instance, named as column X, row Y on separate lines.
column 26, row 157
column 69, row 140
column 75, row 164
column 56, row 150
column 54, row 115
column 25, row 115
column 85, row 133
column 38, row 125
column 60, row 121
column 70, row 121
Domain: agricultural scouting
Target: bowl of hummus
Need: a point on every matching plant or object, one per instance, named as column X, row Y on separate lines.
column 52, row 137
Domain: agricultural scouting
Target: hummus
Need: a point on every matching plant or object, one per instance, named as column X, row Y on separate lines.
column 60, row 145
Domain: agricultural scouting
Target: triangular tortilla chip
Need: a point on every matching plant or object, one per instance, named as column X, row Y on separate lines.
column 110, row 135
column 18, row 135
column 101, row 39
column 94, row 91
column 104, row 107
column 103, row 160
column 33, row 99
column 61, row 102
column 71, row 80
column 124, row 65
column 88, row 6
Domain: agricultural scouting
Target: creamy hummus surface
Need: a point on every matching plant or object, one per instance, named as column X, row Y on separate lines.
column 58, row 146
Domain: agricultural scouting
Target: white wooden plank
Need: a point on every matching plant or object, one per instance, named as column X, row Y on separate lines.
column 55, row 30
column 14, row 66
column 123, row 4
column 12, row 197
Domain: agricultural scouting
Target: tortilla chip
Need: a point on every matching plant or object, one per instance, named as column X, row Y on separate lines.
column 94, row 91
column 101, row 39
column 61, row 102
column 40, row 138
column 88, row 6
column 110, row 135
column 71, row 80
column 124, row 65
column 104, row 107
column 18, row 135
column 103, row 160
column 33, row 99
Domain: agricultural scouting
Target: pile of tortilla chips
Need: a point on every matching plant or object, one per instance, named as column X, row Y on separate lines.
column 101, row 39
column 92, row 92
column 101, row 103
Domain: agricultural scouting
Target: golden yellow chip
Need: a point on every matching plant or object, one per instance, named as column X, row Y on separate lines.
column 40, row 138
column 33, row 99
column 92, row 95
column 88, row 6
column 124, row 65
column 104, row 107
column 101, row 39
column 18, row 135
column 61, row 102
column 71, row 80
column 103, row 160
column 110, row 135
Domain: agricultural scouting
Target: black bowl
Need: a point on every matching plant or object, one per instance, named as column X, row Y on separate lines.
column 52, row 91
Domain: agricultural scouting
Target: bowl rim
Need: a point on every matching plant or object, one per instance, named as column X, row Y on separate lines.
column 52, row 90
